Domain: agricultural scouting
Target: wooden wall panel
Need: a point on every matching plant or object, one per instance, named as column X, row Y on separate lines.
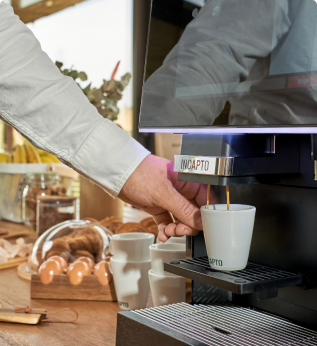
column 41, row 9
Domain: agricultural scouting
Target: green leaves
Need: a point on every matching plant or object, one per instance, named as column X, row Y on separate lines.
column 82, row 76
column 104, row 98
column 59, row 64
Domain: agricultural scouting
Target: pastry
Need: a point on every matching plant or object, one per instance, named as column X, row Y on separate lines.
column 130, row 227
column 102, row 272
column 153, row 229
column 82, row 242
column 149, row 221
column 60, row 248
column 81, row 253
column 87, row 260
column 60, row 260
column 48, row 269
column 76, row 271
column 112, row 223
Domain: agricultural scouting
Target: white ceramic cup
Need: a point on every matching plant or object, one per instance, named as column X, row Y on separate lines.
column 177, row 240
column 174, row 240
column 228, row 235
column 167, row 289
column 131, row 282
column 164, row 252
column 131, row 246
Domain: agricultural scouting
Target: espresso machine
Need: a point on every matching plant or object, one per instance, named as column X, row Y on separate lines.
column 244, row 100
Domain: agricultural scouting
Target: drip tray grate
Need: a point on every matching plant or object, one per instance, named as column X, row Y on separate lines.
column 226, row 325
column 254, row 278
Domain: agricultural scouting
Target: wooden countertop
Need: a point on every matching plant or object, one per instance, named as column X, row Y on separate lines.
column 96, row 324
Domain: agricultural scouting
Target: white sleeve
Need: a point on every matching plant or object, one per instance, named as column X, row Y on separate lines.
column 53, row 113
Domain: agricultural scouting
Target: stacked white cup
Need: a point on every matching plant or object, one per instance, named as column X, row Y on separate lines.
column 166, row 288
column 129, row 266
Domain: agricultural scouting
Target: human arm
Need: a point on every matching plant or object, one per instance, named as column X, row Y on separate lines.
column 154, row 188
column 52, row 112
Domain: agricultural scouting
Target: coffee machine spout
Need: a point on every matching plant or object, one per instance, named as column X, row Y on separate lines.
column 237, row 159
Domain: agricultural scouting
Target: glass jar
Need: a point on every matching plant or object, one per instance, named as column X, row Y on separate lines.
column 52, row 210
column 38, row 185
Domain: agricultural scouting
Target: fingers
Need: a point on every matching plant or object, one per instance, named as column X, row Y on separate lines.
column 174, row 230
column 163, row 218
column 161, row 234
column 182, row 209
column 178, row 230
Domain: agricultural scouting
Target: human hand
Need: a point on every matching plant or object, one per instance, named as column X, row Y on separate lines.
column 153, row 187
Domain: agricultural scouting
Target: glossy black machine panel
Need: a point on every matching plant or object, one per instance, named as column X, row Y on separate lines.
column 285, row 233
column 241, row 88
column 247, row 65
column 285, row 238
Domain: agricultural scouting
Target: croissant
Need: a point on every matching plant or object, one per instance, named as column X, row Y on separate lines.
column 81, row 253
column 60, row 248
column 112, row 223
column 149, row 221
column 95, row 242
column 130, row 227
column 82, row 242
column 153, row 229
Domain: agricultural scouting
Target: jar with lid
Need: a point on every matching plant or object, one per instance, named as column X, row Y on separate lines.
column 44, row 202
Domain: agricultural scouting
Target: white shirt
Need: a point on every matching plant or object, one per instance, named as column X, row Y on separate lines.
column 53, row 113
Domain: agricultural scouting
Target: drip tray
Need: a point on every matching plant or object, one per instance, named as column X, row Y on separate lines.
column 254, row 278
column 214, row 325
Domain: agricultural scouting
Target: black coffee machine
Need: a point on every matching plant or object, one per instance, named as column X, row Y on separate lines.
column 244, row 100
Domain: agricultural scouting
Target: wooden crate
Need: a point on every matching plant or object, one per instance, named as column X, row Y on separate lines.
column 61, row 288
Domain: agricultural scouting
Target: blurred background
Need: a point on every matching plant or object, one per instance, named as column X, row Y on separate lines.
column 101, row 44
column 90, row 36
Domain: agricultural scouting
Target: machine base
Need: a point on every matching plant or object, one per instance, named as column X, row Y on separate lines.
column 214, row 325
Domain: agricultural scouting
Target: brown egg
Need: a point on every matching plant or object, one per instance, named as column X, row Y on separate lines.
column 87, row 260
column 60, row 260
column 47, row 271
column 76, row 271
column 102, row 272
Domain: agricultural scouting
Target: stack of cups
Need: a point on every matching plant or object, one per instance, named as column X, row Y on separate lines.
column 166, row 288
column 174, row 240
column 129, row 266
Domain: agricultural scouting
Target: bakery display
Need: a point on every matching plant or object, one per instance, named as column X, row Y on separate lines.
column 102, row 271
column 112, row 223
column 130, row 227
column 48, row 269
column 116, row 226
column 72, row 258
column 87, row 260
column 76, row 271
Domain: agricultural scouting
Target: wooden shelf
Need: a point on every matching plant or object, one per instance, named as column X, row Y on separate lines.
column 61, row 288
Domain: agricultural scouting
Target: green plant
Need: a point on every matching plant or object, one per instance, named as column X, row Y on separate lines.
column 104, row 98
